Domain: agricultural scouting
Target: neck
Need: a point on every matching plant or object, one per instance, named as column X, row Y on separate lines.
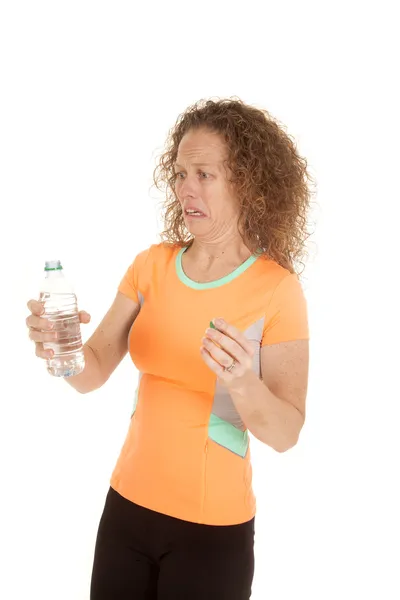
column 229, row 251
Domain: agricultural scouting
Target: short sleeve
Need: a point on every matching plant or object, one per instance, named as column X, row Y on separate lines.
column 132, row 282
column 286, row 317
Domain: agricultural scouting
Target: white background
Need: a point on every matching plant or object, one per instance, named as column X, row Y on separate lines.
column 88, row 93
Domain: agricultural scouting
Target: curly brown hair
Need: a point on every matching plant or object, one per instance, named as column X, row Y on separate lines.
column 270, row 178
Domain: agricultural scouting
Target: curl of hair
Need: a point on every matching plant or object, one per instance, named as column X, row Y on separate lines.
column 270, row 179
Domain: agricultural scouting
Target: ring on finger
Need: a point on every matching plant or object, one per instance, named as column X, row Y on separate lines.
column 231, row 367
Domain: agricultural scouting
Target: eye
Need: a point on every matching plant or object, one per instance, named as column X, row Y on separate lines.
column 179, row 175
column 204, row 175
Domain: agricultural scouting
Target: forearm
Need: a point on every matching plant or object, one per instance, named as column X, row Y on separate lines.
column 91, row 377
column 270, row 419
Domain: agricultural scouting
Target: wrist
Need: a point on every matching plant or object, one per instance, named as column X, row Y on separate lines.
column 242, row 386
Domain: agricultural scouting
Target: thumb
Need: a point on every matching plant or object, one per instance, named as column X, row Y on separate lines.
column 84, row 317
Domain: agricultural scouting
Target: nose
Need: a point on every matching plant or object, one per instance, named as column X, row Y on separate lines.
column 187, row 188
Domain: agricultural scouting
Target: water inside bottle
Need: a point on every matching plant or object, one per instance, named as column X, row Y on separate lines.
column 61, row 310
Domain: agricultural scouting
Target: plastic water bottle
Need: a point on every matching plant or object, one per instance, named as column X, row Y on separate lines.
column 61, row 309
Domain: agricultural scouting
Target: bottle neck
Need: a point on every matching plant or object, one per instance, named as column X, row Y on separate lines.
column 58, row 274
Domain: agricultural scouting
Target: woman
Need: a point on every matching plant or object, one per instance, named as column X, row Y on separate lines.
column 215, row 321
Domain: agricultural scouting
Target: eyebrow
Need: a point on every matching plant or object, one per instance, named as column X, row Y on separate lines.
column 200, row 165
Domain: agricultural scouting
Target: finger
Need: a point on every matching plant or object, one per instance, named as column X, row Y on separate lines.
column 84, row 317
column 38, row 322
column 230, row 345
column 234, row 334
column 42, row 353
column 226, row 343
column 36, row 307
column 40, row 336
column 213, row 364
column 218, row 354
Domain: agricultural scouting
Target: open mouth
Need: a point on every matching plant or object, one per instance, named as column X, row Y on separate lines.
column 189, row 212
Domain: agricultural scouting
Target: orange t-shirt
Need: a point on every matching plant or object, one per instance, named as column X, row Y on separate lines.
column 187, row 453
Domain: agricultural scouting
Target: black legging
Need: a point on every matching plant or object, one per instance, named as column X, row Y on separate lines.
column 143, row 555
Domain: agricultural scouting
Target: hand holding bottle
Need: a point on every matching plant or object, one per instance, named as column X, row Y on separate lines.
column 55, row 323
column 41, row 328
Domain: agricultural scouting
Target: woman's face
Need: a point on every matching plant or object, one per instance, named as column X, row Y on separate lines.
column 208, row 201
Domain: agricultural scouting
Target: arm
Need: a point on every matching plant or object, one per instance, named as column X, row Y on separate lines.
column 108, row 345
column 273, row 409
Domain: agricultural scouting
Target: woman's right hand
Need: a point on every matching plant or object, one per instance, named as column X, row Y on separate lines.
column 40, row 328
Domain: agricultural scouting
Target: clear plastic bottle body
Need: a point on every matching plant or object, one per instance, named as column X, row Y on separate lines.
column 61, row 309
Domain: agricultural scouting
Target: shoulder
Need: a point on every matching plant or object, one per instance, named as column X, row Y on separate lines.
column 153, row 259
column 286, row 314
column 275, row 276
column 280, row 287
column 157, row 254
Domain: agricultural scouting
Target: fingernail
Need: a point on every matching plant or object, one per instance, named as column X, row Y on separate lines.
column 219, row 322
